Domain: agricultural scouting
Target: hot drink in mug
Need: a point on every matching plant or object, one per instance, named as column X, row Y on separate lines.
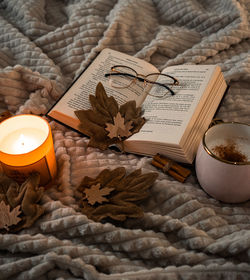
column 223, row 162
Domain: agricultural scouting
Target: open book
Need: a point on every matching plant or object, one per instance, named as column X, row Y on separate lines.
column 174, row 124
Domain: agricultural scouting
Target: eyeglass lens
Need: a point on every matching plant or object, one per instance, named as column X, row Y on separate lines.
column 122, row 76
column 161, row 85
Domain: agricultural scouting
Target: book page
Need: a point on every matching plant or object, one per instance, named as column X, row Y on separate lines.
column 77, row 96
column 167, row 118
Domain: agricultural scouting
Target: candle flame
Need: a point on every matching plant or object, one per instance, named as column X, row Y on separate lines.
column 22, row 139
column 25, row 144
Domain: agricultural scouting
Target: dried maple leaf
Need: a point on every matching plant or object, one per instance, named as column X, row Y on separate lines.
column 119, row 128
column 96, row 194
column 7, row 217
column 25, row 197
column 96, row 122
column 30, row 203
column 122, row 201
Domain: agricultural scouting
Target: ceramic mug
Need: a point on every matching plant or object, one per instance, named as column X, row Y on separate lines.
column 222, row 162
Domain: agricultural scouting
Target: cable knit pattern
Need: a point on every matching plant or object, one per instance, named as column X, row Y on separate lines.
column 184, row 234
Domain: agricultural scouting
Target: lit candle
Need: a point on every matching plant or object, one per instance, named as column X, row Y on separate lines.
column 26, row 146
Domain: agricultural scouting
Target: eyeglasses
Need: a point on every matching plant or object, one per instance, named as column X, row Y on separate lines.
column 121, row 76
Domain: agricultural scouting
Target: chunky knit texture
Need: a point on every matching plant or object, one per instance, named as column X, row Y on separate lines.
column 185, row 234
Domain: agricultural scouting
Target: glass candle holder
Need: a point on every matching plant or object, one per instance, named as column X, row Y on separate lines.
column 26, row 146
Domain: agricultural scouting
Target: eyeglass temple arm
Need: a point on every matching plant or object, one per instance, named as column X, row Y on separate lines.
column 122, row 74
column 125, row 74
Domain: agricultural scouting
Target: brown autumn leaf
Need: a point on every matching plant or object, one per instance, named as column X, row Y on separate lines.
column 119, row 129
column 25, row 197
column 99, row 121
column 8, row 217
column 96, row 194
column 122, row 202
column 30, row 203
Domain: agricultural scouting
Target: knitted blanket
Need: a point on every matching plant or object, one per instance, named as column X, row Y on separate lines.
column 184, row 234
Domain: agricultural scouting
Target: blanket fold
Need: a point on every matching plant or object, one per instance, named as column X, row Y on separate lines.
column 184, row 234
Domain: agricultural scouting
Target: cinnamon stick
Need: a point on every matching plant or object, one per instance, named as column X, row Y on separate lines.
column 178, row 168
column 170, row 167
column 177, row 176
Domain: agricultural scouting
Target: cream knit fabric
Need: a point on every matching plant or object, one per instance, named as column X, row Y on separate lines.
column 185, row 234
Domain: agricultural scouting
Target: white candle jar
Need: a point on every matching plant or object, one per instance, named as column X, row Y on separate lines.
column 26, row 146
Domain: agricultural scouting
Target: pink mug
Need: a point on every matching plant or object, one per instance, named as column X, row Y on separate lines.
column 222, row 162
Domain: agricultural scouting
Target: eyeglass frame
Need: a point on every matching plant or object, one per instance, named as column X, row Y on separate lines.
column 143, row 78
